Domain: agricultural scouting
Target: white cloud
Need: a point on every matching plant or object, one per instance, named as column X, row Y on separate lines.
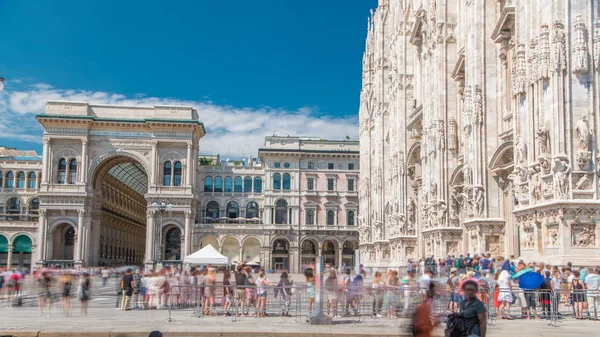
column 232, row 131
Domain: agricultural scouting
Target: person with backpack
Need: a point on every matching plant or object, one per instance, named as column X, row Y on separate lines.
column 460, row 265
column 473, row 311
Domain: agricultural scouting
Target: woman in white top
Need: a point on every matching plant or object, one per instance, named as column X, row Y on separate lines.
column 261, row 282
column 505, row 296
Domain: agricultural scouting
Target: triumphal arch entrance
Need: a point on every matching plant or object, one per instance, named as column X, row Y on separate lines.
column 106, row 171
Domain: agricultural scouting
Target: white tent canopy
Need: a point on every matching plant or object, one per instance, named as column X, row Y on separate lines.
column 207, row 255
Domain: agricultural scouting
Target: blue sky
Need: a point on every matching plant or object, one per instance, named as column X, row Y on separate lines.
column 250, row 67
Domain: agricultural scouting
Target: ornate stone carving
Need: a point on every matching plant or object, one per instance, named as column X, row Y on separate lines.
column 542, row 138
column 477, row 105
column 580, row 61
column 544, row 66
column 558, row 47
column 454, row 208
column 441, row 135
column 529, row 240
column 584, row 133
column 473, row 244
column 520, row 151
column 536, row 188
column 583, row 235
column 519, row 71
column 561, row 170
column 377, row 231
column 468, row 109
column 467, row 174
column 452, row 135
column 440, row 212
column 552, row 236
column 584, row 183
column 493, row 244
column 452, row 248
column 478, row 201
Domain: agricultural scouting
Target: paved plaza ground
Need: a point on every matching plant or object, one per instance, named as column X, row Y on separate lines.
column 26, row 321
column 104, row 320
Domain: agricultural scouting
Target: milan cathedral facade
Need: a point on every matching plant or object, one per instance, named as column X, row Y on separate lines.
column 478, row 131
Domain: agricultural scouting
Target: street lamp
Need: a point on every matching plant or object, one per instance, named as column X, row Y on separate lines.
column 161, row 206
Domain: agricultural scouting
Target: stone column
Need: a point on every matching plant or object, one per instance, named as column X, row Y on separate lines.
column 187, row 247
column 41, row 246
column 46, row 160
column 340, row 257
column 150, row 233
column 9, row 257
column 79, row 247
column 84, row 160
column 189, row 166
column 153, row 159
column 242, row 254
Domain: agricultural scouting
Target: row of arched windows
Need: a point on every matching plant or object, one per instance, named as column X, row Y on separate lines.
column 229, row 184
column 9, row 180
column 67, row 171
column 172, row 173
column 330, row 221
column 13, row 206
column 232, row 210
column 282, row 181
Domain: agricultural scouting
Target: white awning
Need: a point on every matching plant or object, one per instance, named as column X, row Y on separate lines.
column 207, row 255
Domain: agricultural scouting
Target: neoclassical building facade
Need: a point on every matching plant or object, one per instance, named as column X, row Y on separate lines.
column 299, row 201
column 94, row 196
column 478, row 129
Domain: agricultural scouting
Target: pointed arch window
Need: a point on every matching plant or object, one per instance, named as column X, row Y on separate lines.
column 310, row 217
column 277, row 181
column 350, row 218
column 237, row 184
column 167, row 173
column 247, row 185
column 330, row 217
column 62, row 171
column 228, row 184
column 177, row 168
column 208, row 184
column 257, row 185
column 21, row 179
column 72, row 171
column 218, row 184
column 286, row 181
column 281, row 212
column 212, row 210
column 252, row 210
column 31, row 181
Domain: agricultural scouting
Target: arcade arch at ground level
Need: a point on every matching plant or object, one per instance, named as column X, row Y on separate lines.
column 16, row 249
column 282, row 251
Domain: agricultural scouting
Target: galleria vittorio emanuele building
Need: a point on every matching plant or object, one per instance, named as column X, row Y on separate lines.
column 478, row 129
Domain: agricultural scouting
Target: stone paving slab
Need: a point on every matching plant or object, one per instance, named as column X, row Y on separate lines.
column 103, row 322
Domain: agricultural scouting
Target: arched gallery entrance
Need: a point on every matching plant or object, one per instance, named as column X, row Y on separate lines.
column 118, row 230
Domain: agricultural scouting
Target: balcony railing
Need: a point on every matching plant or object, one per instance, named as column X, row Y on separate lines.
column 19, row 217
column 255, row 225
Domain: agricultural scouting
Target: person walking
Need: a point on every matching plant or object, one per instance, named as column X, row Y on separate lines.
column 210, row 282
column 45, row 297
column 391, row 289
column 592, row 282
column 83, row 292
column 66, row 284
column 578, row 295
column 423, row 325
column 378, row 291
column 105, row 274
column 127, row 289
column 333, row 292
column 310, row 288
column 227, row 293
column 285, row 288
column 505, row 296
column 261, row 282
column 473, row 311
